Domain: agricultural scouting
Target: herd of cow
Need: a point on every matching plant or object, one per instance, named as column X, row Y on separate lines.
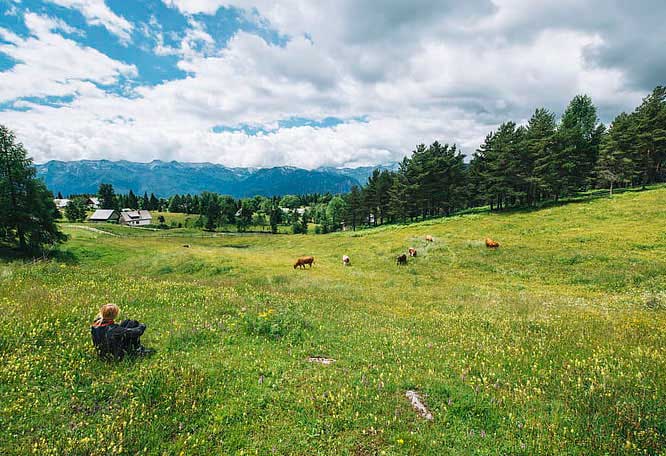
column 400, row 259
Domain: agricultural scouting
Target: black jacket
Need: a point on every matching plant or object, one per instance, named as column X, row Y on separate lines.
column 113, row 340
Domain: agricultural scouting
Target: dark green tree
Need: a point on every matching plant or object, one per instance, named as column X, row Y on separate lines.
column 244, row 216
column 154, row 203
column 75, row 211
column 26, row 206
column 616, row 163
column 175, row 204
column 650, row 124
column 354, row 207
column 578, row 139
column 144, row 204
column 132, row 202
column 107, row 197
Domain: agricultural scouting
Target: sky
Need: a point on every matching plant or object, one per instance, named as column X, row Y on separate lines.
column 308, row 83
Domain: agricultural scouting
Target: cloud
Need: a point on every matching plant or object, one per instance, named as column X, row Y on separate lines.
column 416, row 72
column 97, row 12
column 49, row 65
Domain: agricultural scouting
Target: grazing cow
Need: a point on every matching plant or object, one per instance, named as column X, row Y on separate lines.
column 301, row 262
column 491, row 244
column 412, row 252
column 346, row 261
column 429, row 238
column 187, row 246
column 401, row 259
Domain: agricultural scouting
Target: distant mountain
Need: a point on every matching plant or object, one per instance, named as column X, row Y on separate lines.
column 360, row 174
column 168, row 178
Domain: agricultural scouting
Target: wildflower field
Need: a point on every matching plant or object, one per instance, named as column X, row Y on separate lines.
column 553, row 344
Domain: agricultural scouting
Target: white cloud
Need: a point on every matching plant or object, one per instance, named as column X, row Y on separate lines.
column 422, row 72
column 97, row 12
column 50, row 65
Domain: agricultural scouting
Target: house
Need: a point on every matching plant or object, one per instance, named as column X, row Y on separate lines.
column 299, row 210
column 61, row 203
column 105, row 215
column 92, row 203
column 135, row 218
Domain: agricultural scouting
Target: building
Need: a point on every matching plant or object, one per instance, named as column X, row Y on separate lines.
column 92, row 203
column 135, row 218
column 61, row 203
column 105, row 215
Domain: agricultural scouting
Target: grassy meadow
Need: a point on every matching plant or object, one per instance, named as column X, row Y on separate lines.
column 553, row 344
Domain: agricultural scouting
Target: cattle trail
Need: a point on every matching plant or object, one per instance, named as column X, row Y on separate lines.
column 91, row 229
column 418, row 405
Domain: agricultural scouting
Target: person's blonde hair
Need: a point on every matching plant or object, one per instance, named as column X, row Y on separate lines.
column 108, row 312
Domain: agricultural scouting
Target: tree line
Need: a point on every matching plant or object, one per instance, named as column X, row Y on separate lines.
column 521, row 165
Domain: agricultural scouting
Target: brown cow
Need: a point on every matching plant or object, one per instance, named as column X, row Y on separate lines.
column 491, row 244
column 302, row 261
column 429, row 238
column 412, row 252
column 401, row 259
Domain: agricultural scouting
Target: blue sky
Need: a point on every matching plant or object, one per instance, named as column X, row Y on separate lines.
column 302, row 83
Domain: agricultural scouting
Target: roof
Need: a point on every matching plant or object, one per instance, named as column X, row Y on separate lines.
column 61, row 202
column 94, row 200
column 128, row 216
column 103, row 214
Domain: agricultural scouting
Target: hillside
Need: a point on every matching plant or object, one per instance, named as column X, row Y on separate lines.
column 168, row 178
column 553, row 344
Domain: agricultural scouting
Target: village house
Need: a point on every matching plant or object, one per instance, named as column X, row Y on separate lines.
column 135, row 218
column 92, row 203
column 61, row 203
column 104, row 216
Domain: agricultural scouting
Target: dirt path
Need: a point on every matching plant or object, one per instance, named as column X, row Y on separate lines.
column 90, row 228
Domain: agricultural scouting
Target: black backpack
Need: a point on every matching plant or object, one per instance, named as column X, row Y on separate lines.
column 115, row 341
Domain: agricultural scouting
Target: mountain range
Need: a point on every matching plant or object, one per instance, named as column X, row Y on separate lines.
column 168, row 178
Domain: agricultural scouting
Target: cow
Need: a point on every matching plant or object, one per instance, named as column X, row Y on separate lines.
column 302, row 261
column 346, row 261
column 412, row 252
column 491, row 244
column 429, row 238
column 187, row 246
column 401, row 259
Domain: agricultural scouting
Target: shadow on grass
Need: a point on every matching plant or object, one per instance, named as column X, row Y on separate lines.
column 10, row 253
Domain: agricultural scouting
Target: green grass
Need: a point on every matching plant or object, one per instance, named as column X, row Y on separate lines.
column 553, row 344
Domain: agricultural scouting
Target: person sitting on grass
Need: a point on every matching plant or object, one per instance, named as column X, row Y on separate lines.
column 117, row 340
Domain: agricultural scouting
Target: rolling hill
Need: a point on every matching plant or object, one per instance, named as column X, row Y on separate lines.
column 555, row 343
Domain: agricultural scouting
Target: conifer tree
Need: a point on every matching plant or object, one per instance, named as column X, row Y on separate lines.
column 26, row 206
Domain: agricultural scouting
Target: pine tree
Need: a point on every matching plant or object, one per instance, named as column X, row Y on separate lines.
column 540, row 152
column 213, row 212
column 616, row 162
column 650, row 119
column 144, row 204
column 354, row 209
column 175, row 204
column 398, row 201
column 26, row 206
column 153, row 203
column 107, row 197
column 578, row 138
column 132, row 202
column 275, row 214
